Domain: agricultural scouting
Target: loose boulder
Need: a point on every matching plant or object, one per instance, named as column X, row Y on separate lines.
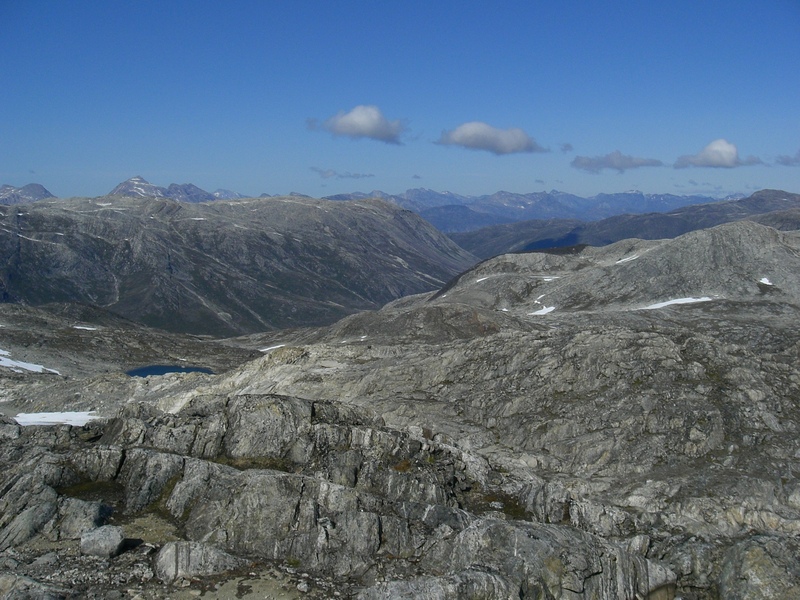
column 193, row 559
column 106, row 541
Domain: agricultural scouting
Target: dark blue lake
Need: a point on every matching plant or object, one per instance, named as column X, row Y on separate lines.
column 164, row 369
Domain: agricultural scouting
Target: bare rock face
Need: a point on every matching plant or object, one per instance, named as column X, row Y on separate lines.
column 16, row 587
column 761, row 567
column 333, row 489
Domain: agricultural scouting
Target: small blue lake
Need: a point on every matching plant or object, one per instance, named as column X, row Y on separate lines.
column 164, row 369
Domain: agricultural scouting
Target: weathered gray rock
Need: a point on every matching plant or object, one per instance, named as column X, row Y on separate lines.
column 145, row 475
column 9, row 430
column 106, row 541
column 26, row 505
column 76, row 517
column 193, row 559
column 761, row 567
column 16, row 587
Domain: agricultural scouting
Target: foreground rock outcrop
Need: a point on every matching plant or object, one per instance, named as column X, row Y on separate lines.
column 316, row 484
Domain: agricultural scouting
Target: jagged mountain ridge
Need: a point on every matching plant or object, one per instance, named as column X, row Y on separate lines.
column 453, row 213
column 138, row 187
column 221, row 268
column 447, row 211
column 557, row 233
column 465, row 443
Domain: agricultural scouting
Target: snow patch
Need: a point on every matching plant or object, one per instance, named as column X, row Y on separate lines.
column 15, row 365
column 765, row 281
column 627, row 259
column 272, row 348
column 481, row 279
column 550, row 278
column 55, row 418
column 677, row 301
column 543, row 311
column 198, row 218
column 83, row 327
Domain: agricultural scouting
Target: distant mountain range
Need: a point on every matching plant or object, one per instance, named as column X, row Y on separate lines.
column 138, row 187
column 452, row 213
column 448, row 212
column 775, row 208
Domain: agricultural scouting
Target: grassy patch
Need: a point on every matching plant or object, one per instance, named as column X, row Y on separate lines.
column 245, row 463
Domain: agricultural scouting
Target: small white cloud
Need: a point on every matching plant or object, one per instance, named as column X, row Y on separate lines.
column 718, row 154
column 789, row 161
column 480, row 136
column 615, row 160
column 566, row 147
column 364, row 121
column 328, row 173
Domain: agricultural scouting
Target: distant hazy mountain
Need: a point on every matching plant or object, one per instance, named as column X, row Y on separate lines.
column 538, row 234
column 188, row 192
column 138, row 187
column 221, row 268
column 27, row 193
column 452, row 213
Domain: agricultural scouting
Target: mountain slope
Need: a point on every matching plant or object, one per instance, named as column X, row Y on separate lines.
column 221, row 268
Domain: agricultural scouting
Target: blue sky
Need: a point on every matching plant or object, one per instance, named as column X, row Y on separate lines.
column 472, row 97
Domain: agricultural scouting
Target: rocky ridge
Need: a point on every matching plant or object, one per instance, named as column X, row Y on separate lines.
column 597, row 423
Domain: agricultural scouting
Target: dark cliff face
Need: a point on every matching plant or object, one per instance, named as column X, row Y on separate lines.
column 222, row 268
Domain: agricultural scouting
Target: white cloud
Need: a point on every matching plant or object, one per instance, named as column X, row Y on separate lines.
column 480, row 136
column 328, row 173
column 364, row 121
column 718, row 154
column 789, row 161
column 615, row 160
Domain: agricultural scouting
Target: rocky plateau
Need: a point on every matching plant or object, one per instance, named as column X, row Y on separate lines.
column 592, row 422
